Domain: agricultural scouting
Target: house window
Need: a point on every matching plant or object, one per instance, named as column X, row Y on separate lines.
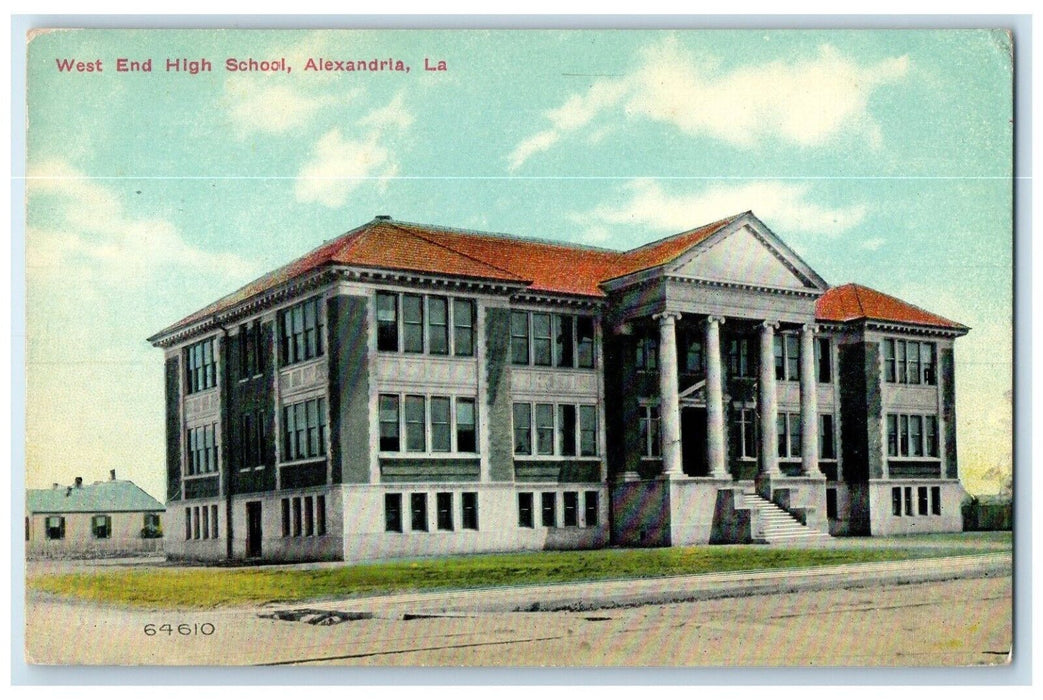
column 570, row 509
column 691, row 351
column 320, row 515
column 469, row 500
column 585, row 341
column 251, row 350
column 205, row 515
column 441, row 425
column 896, row 500
column 415, row 431
column 646, row 358
column 823, row 360
column 649, row 428
column 590, row 508
column 302, row 331
column 545, row 428
column 309, row 516
column 522, row 429
column 908, row 493
column 549, row 517
column 418, row 511
column 788, row 425
column 826, row 438
column 304, row 430
column 444, row 505
column 741, row 362
column 466, row 426
column 744, row 434
column 912, row 435
column 921, row 500
column 200, row 366
column 54, row 527
column 251, row 439
column 519, row 338
column 541, row 340
column 936, row 500
column 285, row 517
column 566, row 430
column 463, row 327
column 195, row 523
column 564, row 340
column 389, row 431
column 438, row 325
column 525, row 518
column 387, row 322
column 787, row 357
column 393, row 512
column 588, row 431
column 202, row 450
column 296, row 507
column 413, row 323
column 101, row 527
column 909, row 362
column 153, row 527
column 188, row 524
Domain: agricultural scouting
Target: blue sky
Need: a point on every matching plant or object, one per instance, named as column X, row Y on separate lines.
column 881, row 157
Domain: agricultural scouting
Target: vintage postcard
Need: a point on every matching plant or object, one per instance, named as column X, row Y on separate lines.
column 686, row 348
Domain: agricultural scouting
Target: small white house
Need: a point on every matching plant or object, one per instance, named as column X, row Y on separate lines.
column 103, row 518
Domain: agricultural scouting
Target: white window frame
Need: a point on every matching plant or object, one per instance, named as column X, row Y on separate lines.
column 428, row 451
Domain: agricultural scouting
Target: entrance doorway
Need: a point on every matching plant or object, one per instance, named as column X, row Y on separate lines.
column 253, row 530
column 693, row 441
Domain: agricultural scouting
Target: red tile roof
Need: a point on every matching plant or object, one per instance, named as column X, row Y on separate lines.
column 851, row 302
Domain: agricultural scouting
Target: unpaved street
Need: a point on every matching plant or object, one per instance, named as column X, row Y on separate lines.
column 955, row 622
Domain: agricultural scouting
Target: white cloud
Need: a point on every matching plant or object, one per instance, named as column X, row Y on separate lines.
column 872, row 244
column 266, row 104
column 91, row 235
column 786, row 205
column 339, row 164
column 806, row 102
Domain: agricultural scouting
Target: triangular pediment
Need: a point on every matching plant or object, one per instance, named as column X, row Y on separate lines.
column 748, row 253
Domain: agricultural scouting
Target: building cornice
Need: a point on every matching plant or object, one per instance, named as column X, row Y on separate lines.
column 762, row 289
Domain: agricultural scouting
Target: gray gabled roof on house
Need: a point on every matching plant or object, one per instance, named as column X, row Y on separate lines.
column 102, row 497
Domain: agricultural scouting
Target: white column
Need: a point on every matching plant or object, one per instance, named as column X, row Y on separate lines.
column 767, row 402
column 715, row 452
column 669, row 402
column 808, row 402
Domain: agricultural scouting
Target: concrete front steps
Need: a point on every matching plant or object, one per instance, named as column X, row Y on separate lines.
column 773, row 525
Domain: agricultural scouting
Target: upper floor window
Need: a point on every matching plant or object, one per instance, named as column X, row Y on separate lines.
column 691, row 351
column 302, row 331
column 552, row 340
column 788, row 425
column 650, row 432
column 251, row 439
column 568, row 431
column 304, row 430
column 823, row 360
column 826, row 437
column 787, row 357
column 912, row 435
column 433, row 324
column 909, row 362
column 251, row 350
column 646, row 357
column 202, row 450
column 429, row 423
column 741, row 362
column 200, row 366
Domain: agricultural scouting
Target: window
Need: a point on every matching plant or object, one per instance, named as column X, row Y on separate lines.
column 412, row 323
column 302, row 331
column 438, row 325
column 418, row 511
column 647, row 354
column 788, row 425
column 741, row 361
column 387, row 322
column 300, row 517
column 195, row 523
column 188, row 524
column 823, row 360
column 295, row 504
column 444, row 506
column 566, row 430
column 153, row 526
column 418, row 420
column 545, row 428
column 564, row 340
column 826, row 438
column 304, row 430
column 286, row 517
column 525, row 510
column 519, row 338
column 251, row 439
column 585, row 341
column 896, row 500
column 908, row 492
column 463, row 327
column 588, row 431
column 570, row 509
column 787, row 357
column 251, row 350
column 522, row 429
column 389, row 435
column 909, row 362
column 206, row 522
column 541, row 340
column 912, row 435
column 469, row 500
column 649, row 427
column 921, row 500
column 54, row 527
column 936, row 500
column 200, row 366
column 590, row 508
column 744, row 434
column 393, row 512
column 309, row 516
column 415, row 430
column 549, row 517
column 320, row 515
column 202, row 450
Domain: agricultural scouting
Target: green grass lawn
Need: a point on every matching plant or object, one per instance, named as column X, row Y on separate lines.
column 201, row 588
